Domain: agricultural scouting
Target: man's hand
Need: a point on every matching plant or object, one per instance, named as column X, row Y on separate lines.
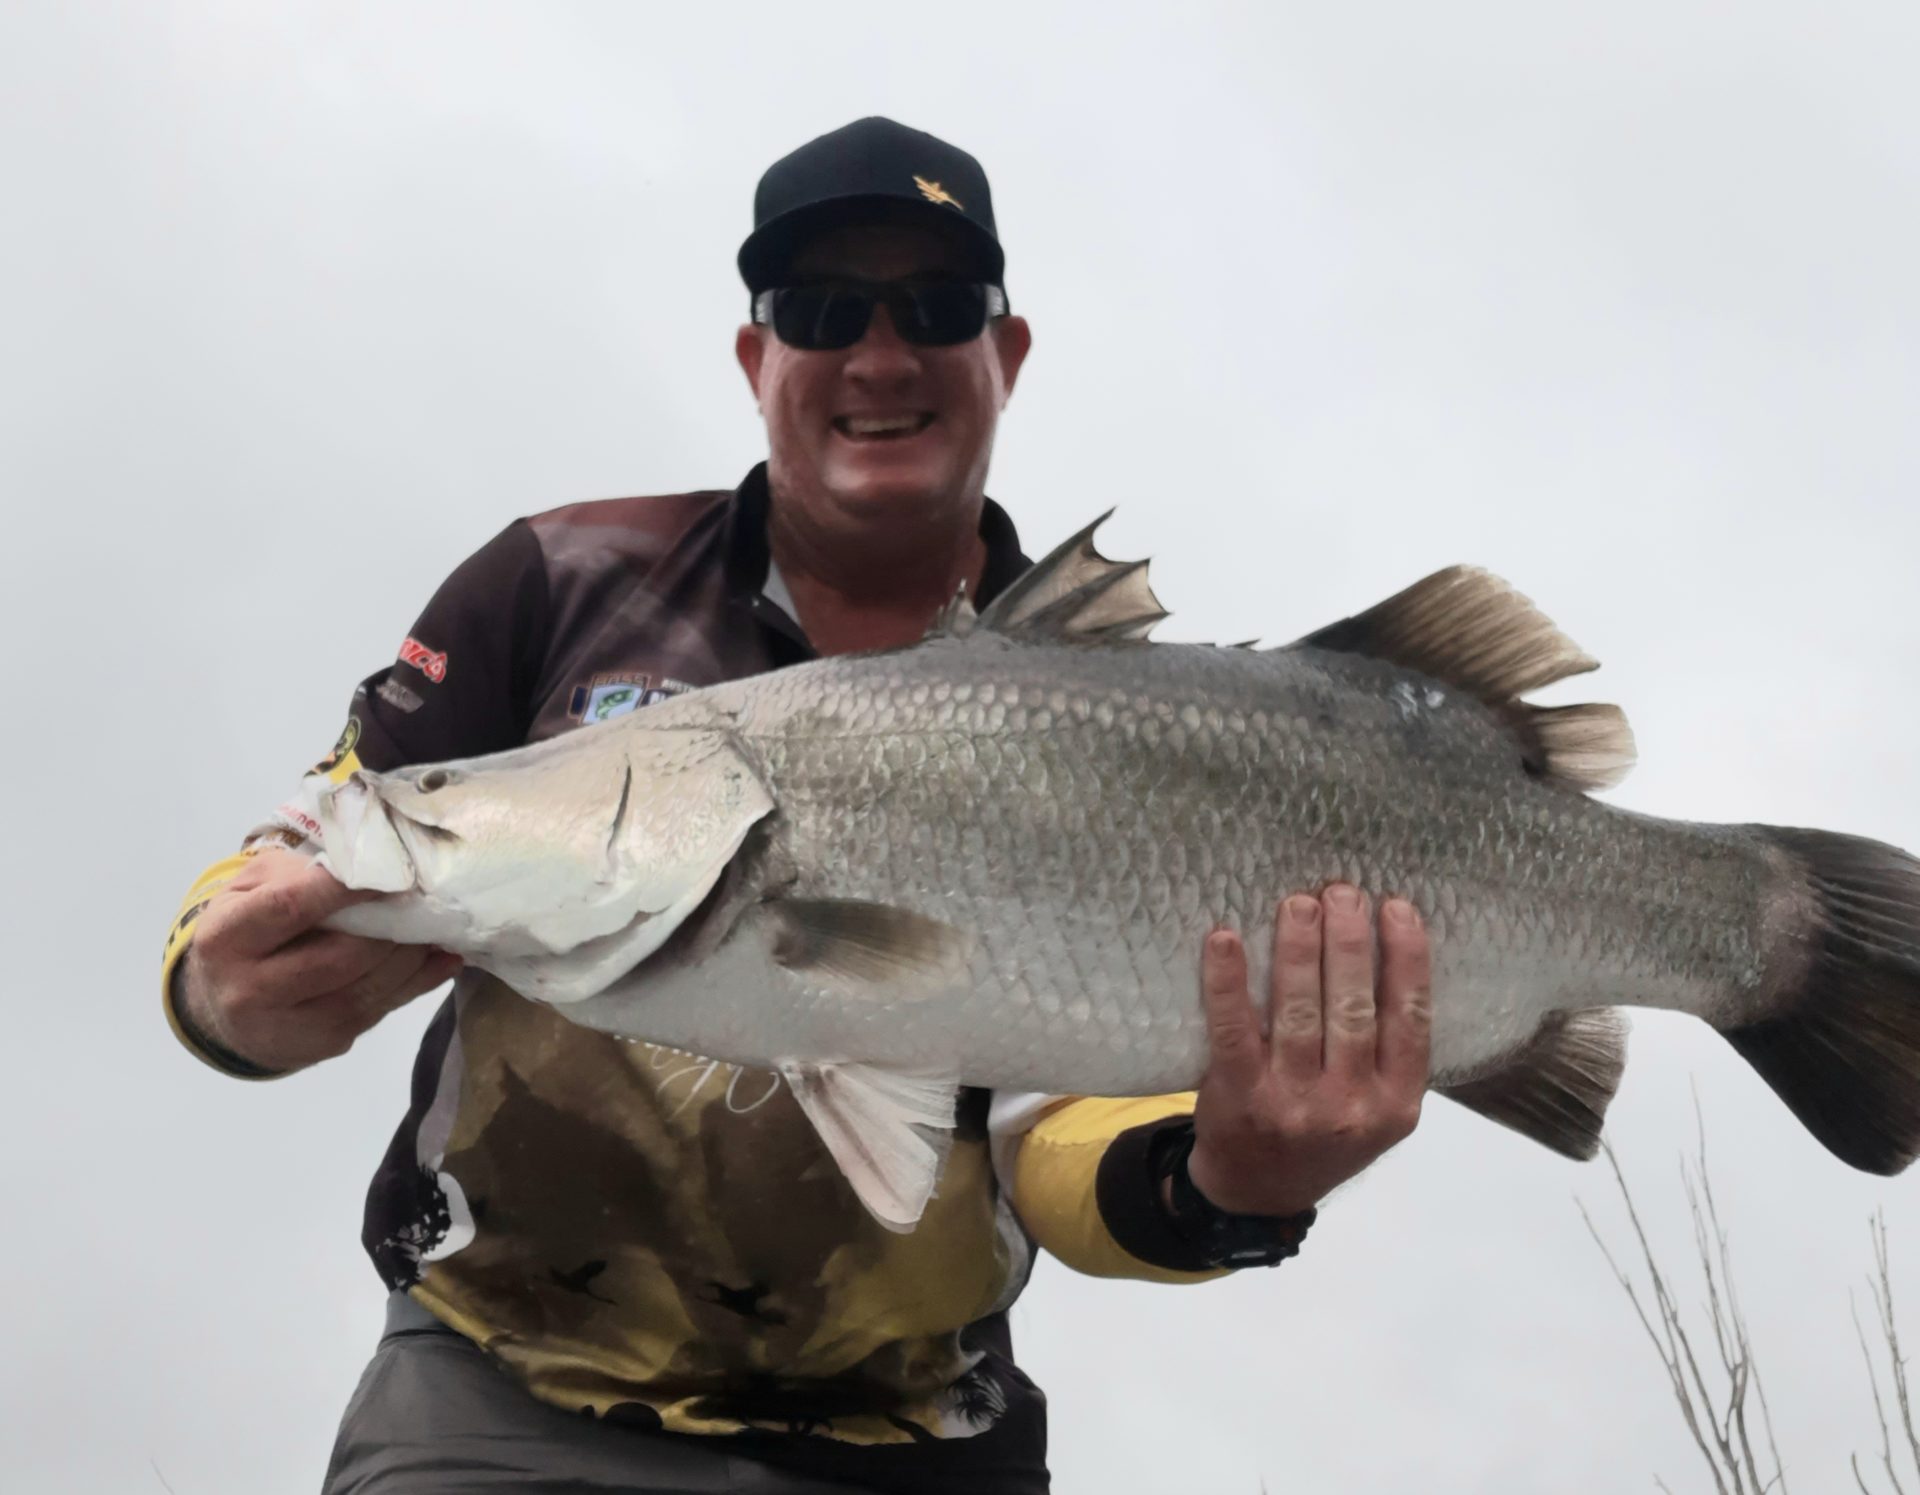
column 1283, row 1120
column 263, row 981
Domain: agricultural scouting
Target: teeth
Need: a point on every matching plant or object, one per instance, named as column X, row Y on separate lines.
column 858, row 425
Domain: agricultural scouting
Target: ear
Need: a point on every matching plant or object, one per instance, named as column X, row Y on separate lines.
column 751, row 349
column 1012, row 339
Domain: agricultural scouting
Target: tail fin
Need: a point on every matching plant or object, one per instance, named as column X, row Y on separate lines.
column 1845, row 1053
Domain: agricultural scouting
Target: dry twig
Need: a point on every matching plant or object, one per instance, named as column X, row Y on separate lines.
column 1713, row 1405
column 1881, row 1285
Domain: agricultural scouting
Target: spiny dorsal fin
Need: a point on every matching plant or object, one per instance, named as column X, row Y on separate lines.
column 1556, row 1089
column 1467, row 628
column 957, row 619
column 1076, row 592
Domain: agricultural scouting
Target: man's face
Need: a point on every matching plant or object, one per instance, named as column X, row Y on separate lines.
column 938, row 406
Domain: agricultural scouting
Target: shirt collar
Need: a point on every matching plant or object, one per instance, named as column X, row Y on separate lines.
column 748, row 559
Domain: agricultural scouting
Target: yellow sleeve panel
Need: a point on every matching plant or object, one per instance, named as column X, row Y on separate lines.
column 179, row 937
column 1054, row 1183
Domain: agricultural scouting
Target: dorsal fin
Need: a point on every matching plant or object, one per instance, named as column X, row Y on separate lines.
column 957, row 619
column 1076, row 592
column 1469, row 629
column 1466, row 627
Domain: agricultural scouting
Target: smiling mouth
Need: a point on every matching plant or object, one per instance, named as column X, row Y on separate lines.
column 882, row 427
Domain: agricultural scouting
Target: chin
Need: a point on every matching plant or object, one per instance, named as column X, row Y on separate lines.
column 888, row 490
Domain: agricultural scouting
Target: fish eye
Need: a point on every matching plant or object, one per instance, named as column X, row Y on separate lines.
column 436, row 778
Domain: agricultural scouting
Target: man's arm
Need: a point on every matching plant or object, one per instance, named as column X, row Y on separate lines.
column 1281, row 1118
column 251, row 983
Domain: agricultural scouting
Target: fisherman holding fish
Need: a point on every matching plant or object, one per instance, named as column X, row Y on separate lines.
column 776, row 1276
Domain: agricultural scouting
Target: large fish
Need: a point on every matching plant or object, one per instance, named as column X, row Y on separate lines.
column 990, row 859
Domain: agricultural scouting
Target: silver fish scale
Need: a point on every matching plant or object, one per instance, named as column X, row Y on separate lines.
column 1088, row 812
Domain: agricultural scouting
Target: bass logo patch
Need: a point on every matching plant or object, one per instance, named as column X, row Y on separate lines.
column 604, row 697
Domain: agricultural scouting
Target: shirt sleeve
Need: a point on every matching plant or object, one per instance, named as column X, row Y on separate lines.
column 464, row 683
column 1078, row 1168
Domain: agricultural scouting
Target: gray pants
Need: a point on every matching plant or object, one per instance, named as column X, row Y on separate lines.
column 433, row 1416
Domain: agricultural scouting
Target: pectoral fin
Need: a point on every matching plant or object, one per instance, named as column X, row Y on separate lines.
column 889, row 1130
column 871, row 950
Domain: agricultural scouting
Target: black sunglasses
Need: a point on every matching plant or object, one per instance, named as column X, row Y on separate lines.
column 835, row 313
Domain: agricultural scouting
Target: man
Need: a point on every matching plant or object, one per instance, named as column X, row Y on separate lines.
column 659, row 1241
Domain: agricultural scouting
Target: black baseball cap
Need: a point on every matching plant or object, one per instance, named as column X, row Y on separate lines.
column 873, row 169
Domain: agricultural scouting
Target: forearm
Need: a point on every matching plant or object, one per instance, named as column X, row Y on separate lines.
column 1084, row 1189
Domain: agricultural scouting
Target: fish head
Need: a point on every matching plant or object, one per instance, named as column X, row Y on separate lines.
column 481, row 845
column 543, row 850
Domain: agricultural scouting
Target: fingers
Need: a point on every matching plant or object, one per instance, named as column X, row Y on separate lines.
column 394, row 979
column 1296, row 1022
column 337, row 1019
column 327, row 1025
column 320, row 962
column 288, row 901
column 437, row 969
column 1233, row 1035
column 1347, row 979
column 1406, row 998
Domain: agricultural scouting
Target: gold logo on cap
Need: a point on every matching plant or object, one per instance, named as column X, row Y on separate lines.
column 934, row 192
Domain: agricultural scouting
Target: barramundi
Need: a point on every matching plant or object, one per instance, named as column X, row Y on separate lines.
column 990, row 859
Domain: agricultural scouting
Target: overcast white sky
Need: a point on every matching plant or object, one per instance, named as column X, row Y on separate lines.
column 302, row 302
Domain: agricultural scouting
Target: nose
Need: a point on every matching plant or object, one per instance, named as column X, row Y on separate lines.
column 881, row 353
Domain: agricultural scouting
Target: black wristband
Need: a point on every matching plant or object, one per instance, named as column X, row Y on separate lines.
column 1223, row 1239
column 222, row 1057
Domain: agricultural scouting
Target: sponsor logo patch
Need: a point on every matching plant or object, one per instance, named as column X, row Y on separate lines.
column 297, row 820
column 397, row 695
column 181, row 925
column 604, row 697
column 428, row 662
column 348, row 740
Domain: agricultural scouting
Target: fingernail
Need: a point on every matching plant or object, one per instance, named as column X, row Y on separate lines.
column 1220, row 943
column 1303, row 910
column 1344, row 896
column 1401, row 913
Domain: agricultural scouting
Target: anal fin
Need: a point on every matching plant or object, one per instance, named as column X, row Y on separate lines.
column 1557, row 1087
column 888, row 1129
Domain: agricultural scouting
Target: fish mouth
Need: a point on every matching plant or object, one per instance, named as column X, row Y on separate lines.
column 366, row 852
column 404, row 825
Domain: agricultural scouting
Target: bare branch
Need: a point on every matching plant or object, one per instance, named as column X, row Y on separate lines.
column 1689, row 1387
column 1716, row 1408
column 1889, row 1327
column 1879, row 1406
